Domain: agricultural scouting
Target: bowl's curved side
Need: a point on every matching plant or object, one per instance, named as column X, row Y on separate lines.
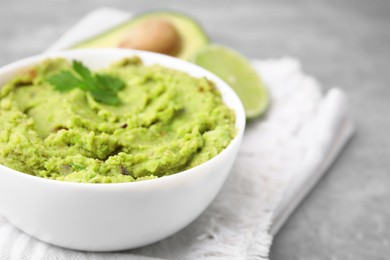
column 116, row 219
column 98, row 217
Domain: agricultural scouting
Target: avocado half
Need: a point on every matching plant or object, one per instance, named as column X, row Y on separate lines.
column 192, row 36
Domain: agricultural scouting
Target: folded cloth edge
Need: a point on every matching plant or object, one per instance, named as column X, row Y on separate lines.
column 335, row 129
column 85, row 29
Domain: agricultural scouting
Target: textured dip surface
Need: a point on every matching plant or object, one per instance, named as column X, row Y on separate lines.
column 168, row 122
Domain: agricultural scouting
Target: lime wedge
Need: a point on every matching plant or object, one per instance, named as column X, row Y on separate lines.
column 238, row 73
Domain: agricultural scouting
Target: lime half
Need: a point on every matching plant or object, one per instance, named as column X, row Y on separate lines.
column 238, row 73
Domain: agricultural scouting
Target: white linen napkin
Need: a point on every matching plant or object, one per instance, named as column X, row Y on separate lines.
column 282, row 157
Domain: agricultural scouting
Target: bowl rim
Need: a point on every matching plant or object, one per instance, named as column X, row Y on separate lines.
column 240, row 119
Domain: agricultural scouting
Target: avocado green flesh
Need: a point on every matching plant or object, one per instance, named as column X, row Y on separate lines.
column 168, row 122
column 191, row 34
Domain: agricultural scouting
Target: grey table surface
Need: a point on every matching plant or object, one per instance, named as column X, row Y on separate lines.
column 343, row 43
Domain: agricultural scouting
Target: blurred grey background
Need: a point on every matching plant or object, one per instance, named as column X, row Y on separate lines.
column 343, row 43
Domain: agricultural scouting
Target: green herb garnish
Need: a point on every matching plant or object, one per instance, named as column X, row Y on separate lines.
column 103, row 88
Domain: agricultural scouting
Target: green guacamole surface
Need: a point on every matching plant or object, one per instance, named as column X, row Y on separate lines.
column 167, row 122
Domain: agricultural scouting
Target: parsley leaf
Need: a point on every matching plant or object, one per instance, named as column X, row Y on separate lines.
column 114, row 84
column 103, row 88
column 64, row 81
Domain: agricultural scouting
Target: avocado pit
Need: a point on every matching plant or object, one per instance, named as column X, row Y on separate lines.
column 155, row 35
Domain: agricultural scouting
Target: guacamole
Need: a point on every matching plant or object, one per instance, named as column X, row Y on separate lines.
column 167, row 122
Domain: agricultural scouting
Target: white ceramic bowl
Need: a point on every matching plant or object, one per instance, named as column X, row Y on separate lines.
column 110, row 217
